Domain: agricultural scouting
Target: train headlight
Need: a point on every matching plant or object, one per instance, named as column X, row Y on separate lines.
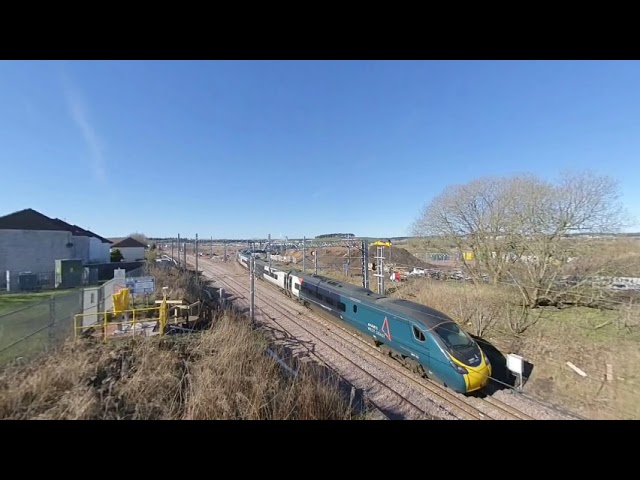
column 461, row 370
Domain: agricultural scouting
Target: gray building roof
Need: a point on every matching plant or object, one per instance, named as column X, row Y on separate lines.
column 30, row 219
column 128, row 243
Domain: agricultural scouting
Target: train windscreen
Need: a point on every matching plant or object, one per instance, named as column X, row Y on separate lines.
column 453, row 336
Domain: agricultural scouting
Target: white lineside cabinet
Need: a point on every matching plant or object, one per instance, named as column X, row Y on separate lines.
column 515, row 363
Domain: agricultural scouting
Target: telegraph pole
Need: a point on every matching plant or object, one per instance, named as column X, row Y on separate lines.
column 304, row 254
column 365, row 264
column 185, row 254
column 178, row 250
column 269, row 252
column 172, row 249
column 315, row 261
column 196, row 252
column 225, row 250
column 252, row 265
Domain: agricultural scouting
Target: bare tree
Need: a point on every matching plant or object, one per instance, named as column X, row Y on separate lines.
column 518, row 227
column 520, row 319
column 474, row 217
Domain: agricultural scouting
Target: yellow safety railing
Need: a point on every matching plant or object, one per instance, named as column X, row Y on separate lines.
column 104, row 323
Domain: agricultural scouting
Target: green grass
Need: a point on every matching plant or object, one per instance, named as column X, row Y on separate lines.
column 15, row 301
column 590, row 339
column 22, row 314
column 593, row 325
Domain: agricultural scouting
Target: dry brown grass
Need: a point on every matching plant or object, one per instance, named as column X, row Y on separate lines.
column 341, row 277
column 181, row 286
column 573, row 335
column 480, row 308
column 548, row 338
column 221, row 373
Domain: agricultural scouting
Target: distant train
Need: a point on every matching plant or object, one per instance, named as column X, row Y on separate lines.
column 424, row 340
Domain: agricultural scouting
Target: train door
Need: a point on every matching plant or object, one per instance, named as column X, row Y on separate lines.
column 287, row 284
column 294, row 285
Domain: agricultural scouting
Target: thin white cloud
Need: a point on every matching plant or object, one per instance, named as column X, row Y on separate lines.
column 78, row 110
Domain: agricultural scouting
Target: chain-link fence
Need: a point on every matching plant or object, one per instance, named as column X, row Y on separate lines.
column 138, row 272
column 37, row 327
column 13, row 281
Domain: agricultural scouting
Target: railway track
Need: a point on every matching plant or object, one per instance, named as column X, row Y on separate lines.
column 456, row 404
column 380, row 389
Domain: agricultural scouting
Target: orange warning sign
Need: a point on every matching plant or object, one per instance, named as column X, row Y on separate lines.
column 385, row 328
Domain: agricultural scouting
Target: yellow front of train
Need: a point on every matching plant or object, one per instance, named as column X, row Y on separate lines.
column 476, row 377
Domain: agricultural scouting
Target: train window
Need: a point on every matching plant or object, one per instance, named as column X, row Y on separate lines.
column 355, row 309
column 417, row 333
column 453, row 336
column 342, row 307
column 319, row 296
column 297, row 286
column 329, row 301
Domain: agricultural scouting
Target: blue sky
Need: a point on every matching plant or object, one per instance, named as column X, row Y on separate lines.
column 248, row 148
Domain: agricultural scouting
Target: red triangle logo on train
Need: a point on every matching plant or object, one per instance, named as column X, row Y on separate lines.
column 385, row 328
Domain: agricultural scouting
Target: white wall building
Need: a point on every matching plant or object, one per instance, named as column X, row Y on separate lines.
column 132, row 250
column 32, row 242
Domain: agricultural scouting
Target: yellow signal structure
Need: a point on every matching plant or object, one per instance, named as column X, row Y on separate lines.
column 121, row 301
column 380, row 243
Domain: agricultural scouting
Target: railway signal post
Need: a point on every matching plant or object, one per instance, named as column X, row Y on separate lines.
column 380, row 268
column 252, row 264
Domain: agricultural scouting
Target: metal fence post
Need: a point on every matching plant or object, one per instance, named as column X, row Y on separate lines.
column 52, row 320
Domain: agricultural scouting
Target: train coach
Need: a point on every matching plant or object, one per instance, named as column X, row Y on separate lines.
column 426, row 341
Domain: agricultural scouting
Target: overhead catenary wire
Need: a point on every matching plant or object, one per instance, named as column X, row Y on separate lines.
column 446, row 319
column 515, row 285
column 624, row 304
column 530, row 398
column 582, row 327
column 500, row 382
column 482, row 341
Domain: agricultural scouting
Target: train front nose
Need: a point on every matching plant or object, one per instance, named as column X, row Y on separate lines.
column 478, row 377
